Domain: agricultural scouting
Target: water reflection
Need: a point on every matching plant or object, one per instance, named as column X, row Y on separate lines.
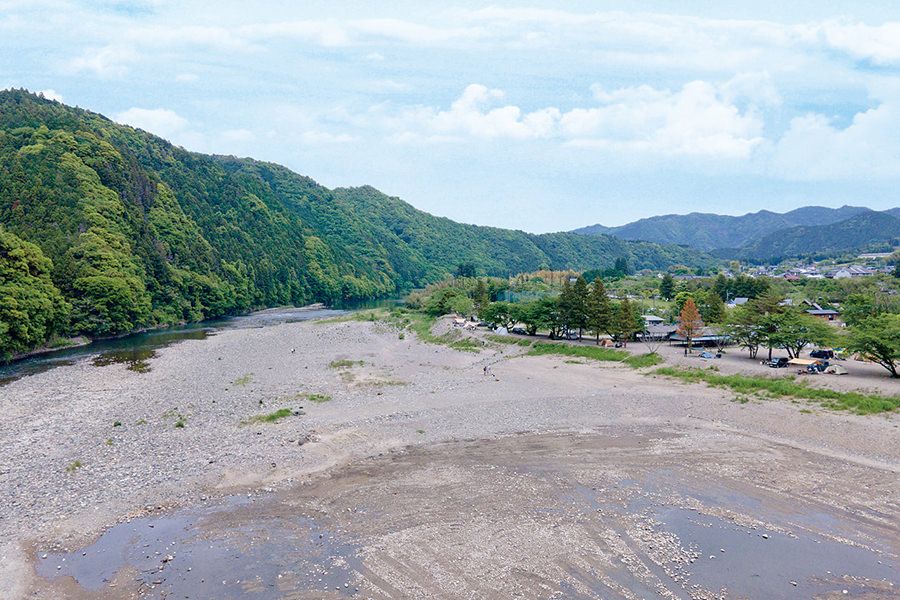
column 137, row 349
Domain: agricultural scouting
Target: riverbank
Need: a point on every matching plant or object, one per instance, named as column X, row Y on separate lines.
column 85, row 447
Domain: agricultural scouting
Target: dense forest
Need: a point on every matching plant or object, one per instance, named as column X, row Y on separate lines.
column 105, row 229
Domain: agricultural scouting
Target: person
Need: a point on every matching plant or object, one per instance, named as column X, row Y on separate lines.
column 485, row 369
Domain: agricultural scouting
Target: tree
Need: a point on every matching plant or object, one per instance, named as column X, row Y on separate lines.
column 578, row 307
column 625, row 321
column 765, row 311
column 744, row 328
column 689, row 322
column 31, row 308
column 794, row 330
column 599, row 310
column 480, row 295
column 466, row 269
column 448, row 300
column 667, row 287
column 878, row 337
column 711, row 306
column 502, row 314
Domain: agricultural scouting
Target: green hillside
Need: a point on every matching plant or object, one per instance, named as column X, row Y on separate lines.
column 710, row 231
column 107, row 229
column 868, row 231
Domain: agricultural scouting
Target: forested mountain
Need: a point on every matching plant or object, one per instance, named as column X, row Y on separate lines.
column 867, row 231
column 105, row 229
column 709, row 231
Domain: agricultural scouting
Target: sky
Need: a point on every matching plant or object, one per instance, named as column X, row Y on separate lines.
column 510, row 114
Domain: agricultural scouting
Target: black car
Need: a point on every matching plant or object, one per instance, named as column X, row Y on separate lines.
column 822, row 353
column 778, row 363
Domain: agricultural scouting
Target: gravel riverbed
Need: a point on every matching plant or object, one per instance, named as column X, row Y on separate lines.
column 85, row 447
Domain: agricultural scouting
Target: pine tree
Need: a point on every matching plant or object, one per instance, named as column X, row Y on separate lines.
column 599, row 309
column 667, row 287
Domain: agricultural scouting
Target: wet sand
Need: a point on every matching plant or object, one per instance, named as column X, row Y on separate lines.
column 423, row 478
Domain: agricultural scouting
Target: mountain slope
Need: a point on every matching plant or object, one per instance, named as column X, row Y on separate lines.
column 709, row 231
column 139, row 232
column 869, row 230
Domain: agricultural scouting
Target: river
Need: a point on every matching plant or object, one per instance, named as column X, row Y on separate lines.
column 138, row 348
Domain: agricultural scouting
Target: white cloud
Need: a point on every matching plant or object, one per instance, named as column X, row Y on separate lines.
column 314, row 138
column 695, row 120
column 880, row 44
column 814, row 149
column 187, row 77
column 51, row 95
column 238, row 135
column 160, row 121
column 329, row 33
column 109, row 61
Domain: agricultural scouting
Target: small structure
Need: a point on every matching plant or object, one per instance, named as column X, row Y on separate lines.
column 706, row 336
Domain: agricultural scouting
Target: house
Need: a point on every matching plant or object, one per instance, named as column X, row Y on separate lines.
column 826, row 314
column 851, row 271
column 652, row 320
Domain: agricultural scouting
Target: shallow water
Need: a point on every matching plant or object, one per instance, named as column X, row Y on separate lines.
column 137, row 349
column 271, row 546
column 214, row 552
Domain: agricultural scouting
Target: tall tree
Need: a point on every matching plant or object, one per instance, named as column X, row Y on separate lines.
column 667, row 287
column 689, row 322
column 598, row 309
column 878, row 337
column 579, row 306
column 625, row 321
column 744, row 328
column 31, row 308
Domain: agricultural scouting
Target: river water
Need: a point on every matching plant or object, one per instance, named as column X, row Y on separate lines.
column 136, row 349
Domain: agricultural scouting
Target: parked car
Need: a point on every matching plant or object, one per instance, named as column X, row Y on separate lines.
column 519, row 331
column 821, row 353
column 778, row 363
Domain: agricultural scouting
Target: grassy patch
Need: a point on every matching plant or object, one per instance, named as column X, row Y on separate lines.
column 344, row 364
column 421, row 324
column 74, row 466
column 317, row 397
column 269, row 418
column 375, row 314
column 508, row 339
column 467, row 344
column 244, row 380
column 857, row 402
column 638, row 361
column 595, row 353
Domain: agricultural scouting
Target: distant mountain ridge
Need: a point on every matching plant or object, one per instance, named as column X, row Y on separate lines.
column 865, row 231
column 706, row 231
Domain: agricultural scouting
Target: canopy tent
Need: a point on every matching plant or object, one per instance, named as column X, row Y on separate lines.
column 836, row 370
column 803, row 362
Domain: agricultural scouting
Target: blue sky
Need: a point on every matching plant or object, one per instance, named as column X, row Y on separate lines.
column 510, row 114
